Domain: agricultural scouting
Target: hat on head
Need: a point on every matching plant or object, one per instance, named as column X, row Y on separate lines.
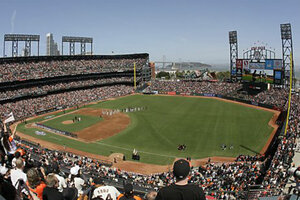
column 55, row 167
column 128, row 188
column 181, row 169
column 3, row 170
column 74, row 170
column 98, row 181
column 70, row 193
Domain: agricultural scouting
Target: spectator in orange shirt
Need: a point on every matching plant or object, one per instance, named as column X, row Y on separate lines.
column 34, row 183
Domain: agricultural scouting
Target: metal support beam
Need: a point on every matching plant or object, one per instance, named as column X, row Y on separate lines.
column 72, row 48
column 27, row 48
column 14, row 48
column 287, row 50
column 82, row 46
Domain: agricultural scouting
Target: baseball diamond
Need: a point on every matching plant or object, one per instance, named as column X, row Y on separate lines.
column 202, row 124
column 149, row 100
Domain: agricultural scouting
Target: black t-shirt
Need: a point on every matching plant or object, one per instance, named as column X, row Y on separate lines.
column 52, row 194
column 181, row 192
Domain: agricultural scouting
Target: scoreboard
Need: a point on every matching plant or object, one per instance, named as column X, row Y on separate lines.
column 246, row 69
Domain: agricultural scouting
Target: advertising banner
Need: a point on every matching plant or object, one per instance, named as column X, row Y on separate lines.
column 272, row 64
column 278, row 75
column 171, row 93
column 278, row 64
column 256, row 65
column 233, row 72
column 239, row 63
column 239, row 68
column 246, row 64
column 269, row 64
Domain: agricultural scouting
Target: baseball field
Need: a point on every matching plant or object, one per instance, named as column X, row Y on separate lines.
column 156, row 126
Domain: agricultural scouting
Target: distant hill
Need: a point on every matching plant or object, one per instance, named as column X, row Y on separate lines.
column 188, row 66
column 220, row 67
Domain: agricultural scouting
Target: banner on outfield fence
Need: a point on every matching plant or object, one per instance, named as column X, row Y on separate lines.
column 171, row 93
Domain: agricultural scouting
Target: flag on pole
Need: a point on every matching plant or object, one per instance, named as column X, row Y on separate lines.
column 10, row 118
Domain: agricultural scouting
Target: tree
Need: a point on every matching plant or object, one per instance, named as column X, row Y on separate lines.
column 223, row 75
column 163, row 74
column 179, row 74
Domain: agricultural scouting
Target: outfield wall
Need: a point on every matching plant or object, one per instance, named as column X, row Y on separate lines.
column 269, row 106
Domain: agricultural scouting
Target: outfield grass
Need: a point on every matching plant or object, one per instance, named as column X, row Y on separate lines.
column 85, row 122
column 202, row 124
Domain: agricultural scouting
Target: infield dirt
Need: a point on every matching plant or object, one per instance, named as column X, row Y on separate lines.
column 110, row 126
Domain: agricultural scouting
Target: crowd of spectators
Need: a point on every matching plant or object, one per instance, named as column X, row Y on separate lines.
column 277, row 176
column 221, row 88
column 44, row 69
column 274, row 96
column 223, row 181
column 32, row 172
column 30, row 107
column 36, row 90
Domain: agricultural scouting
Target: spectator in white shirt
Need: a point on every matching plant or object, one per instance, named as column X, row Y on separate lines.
column 18, row 173
column 75, row 180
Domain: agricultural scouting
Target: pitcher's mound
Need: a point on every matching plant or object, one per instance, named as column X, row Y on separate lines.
column 67, row 122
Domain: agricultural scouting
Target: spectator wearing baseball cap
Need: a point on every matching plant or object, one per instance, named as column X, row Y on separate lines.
column 181, row 190
column 103, row 191
column 128, row 193
column 75, row 179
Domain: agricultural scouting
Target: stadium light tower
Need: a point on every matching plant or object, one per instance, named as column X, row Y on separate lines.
column 16, row 38
column 233, row 53
column 287, row 51
column 72, row 40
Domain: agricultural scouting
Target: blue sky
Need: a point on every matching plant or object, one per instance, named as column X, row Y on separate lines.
column 180, row 30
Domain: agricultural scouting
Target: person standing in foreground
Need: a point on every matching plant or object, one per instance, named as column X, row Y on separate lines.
column 128, row 193
column 181, row 190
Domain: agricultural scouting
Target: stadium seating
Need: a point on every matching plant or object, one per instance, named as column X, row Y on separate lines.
column 222, row 181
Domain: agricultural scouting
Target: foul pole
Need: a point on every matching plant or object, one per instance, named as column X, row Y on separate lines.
column 134, row 75
column 290, row 95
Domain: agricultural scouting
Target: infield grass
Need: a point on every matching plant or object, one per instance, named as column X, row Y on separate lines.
column 202, row 124
column 85, row 122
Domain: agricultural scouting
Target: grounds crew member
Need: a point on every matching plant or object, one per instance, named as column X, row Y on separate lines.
column 181, row 190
